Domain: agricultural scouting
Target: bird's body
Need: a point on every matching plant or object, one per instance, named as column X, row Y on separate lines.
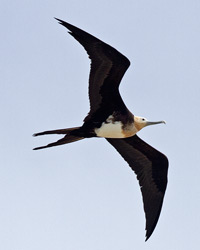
column 109, row 118
column 113, row 128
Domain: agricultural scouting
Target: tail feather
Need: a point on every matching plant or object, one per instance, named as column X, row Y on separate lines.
column 67, row 139
column 57, row 131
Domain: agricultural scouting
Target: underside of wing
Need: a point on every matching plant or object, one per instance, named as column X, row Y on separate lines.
column 107, row 69
column 151, row 168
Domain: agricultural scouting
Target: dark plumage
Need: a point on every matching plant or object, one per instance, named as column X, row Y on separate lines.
column 109, row 117
column 151, row 168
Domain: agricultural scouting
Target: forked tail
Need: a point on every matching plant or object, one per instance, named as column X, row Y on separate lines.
column 68, row 138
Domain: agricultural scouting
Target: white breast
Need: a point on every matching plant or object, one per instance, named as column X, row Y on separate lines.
column 110, row 130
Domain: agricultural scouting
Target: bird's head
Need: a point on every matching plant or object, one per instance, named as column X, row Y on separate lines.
column 141, row 122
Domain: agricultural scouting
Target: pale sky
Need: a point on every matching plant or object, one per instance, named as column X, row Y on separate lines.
column 84, row 196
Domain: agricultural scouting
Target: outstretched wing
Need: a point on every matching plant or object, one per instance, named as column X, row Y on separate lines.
column 107, row 69
column 151, row 168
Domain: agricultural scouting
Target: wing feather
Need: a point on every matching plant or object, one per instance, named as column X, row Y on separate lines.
column 107, row 69
column 151, row 168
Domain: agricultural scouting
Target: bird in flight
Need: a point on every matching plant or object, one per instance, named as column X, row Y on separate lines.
column 110, row 118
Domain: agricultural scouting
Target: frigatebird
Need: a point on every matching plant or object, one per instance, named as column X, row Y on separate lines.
column 110, row 118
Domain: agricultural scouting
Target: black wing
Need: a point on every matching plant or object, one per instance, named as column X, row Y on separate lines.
column 107, row 69
column 151, row 168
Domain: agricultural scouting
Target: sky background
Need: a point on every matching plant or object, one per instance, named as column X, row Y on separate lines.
column 84, row 196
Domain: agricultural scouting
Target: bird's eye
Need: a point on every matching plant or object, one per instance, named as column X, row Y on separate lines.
column 143, row 119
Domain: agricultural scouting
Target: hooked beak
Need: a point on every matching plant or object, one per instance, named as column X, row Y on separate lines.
column 152, row 123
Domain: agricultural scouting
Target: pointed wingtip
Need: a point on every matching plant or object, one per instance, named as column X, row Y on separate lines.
column 59, row 20
column 147, row 237
column 63, row 23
